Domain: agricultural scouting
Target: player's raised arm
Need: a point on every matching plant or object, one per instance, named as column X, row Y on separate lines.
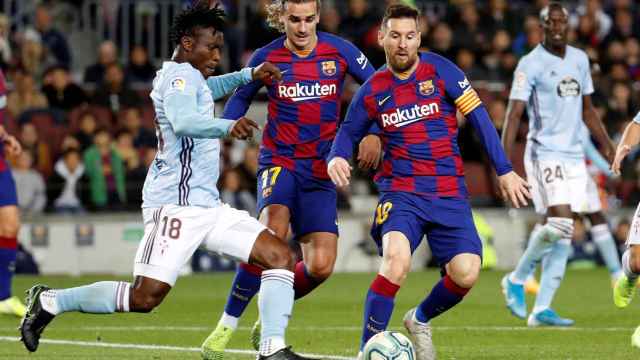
column 352, row 130
column 594, row 155
column 224, row 84
column 181, row 108
column 240, row 101
column 630, row 138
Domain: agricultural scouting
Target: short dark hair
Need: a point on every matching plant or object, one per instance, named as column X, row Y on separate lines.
column 399, row 11
column 198, row 16
column 554, row 5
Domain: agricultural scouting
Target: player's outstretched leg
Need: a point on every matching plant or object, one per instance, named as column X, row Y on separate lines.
column 9, row 227
column 625, row 287
column 379, row 303
column 461, row 274
column 553, row 269
column 43, row 304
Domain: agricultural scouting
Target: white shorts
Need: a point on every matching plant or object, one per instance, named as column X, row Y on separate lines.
column 592, row 200
column 558, row 183
column 173, row 233
column 634, row 231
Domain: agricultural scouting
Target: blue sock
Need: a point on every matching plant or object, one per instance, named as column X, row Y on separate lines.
column 553, row 268
column 7, row 265
column 104, row 297
column 445, row 295
column 275, row 304
column 245, row 286
column 606, row 246
column 378, row 307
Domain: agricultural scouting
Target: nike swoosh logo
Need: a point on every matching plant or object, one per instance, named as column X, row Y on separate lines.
column 384, row 100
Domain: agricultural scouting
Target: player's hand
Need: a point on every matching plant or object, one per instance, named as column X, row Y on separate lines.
column 266, row 72
column 12, row 146
column 339, row 171
column 609, row 152
column 369, row 152
column 514, row 189
column 621, row 153
column 243, row 128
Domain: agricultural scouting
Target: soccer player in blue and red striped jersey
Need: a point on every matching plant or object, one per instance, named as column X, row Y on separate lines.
column 293, row 186
column 9, row 214
column 414, row 100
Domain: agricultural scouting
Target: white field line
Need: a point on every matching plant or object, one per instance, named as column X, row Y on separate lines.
column 155, row 347
column 329, row 328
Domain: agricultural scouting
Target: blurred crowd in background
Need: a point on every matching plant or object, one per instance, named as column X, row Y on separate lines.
column 88, row 131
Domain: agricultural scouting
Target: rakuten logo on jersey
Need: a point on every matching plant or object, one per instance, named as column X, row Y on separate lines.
column 403, row 117
column 301, row 92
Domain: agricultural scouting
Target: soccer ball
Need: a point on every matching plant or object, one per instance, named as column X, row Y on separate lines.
column 388, row 345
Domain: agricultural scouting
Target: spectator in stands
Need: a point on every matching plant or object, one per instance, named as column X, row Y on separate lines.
column 135, row 170
column 53, row 40
column 106, row 174
column 114, row 93
column 441, row 41
column 469, row 33
column 248, row 169
column 140, row 68
column 107, row 55
column 360, row 19
column 233, row 194
column 329, row 20
column 623, row 26
column 593, row 10
column 132, row 121
column 494, row 60
column 25, row 96
column 69, row 142
column 5, row 44
column 466, row 60
column 261, row 33
column 499, row 17
column 29, row 185
column 61, row 92
column 88, row 125
column 40, row 151
column 32, row 54
column 66, row 186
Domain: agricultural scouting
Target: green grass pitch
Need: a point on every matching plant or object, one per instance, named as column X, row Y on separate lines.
column 328, row 322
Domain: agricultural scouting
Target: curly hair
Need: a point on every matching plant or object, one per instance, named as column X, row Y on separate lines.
column 276, row 8
column 198, row 16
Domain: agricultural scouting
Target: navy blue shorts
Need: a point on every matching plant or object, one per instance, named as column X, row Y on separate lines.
column 312, row 202
column 7, row 189
column 447, row 223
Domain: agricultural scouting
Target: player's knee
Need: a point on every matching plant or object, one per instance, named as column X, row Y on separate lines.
column 464, row 273
column 144, row 303
column 396, row 267
column 280, row 258
column 559, row 228
column 321, row 269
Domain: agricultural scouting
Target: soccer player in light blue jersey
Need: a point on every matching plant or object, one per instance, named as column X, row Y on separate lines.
column 181, row 205
column 553, row 82
column 625, row 287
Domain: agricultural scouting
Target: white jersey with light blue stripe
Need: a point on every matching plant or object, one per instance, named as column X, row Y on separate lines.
column 186, row 167
column 553, row 88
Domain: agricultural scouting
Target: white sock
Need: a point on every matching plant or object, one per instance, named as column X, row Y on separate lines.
column 271, row 345
column 229, row 321
column 49, row 303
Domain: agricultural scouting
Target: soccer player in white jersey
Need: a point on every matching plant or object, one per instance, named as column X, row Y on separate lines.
column 553, row 82
column 181, row 205
column 625, row 288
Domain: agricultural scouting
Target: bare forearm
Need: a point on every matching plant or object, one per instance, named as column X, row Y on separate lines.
column 592, row 120
column 631, row 135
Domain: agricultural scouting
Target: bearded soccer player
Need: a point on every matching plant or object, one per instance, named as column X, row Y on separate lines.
column 553, row 82
column 181, row 205
column 421, row 182
column 10, row 223
column 293, row 186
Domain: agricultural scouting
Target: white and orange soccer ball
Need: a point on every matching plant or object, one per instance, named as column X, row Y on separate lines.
column 389, row 345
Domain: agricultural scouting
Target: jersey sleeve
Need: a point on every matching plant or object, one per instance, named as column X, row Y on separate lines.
column 587, row 81
column 636, row 119
column 523, row 81
column 240, row 101
column 457, row 87
column 181, row 108
column 358, row 65
column 356, row 124
column 222, row 85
